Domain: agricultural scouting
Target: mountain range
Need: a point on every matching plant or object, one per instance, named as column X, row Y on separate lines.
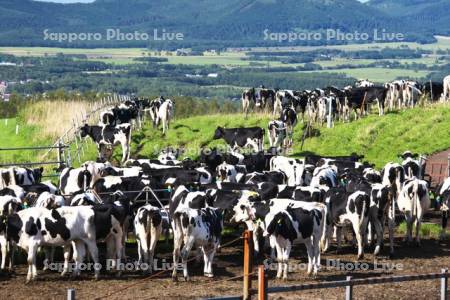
column 216, row 23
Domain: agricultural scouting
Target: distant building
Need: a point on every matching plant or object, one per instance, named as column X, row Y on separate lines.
column 3, row 86
column 183, row 52
column 213, row 75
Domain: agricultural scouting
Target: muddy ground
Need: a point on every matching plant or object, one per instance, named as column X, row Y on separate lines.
column 432, row 256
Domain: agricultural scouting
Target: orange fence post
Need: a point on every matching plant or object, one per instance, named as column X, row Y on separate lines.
column 262, row 283
column 248, row 264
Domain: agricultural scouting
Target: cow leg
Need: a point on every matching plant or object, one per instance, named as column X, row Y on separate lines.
column 310, row 252
column 286, row 253
column 418, row 223
column 93, row 251
column 177, row 240
column 279, row 259
column 4, row 251
column 316, row 255
column 11, row 249
column 118, row 240
column 66, row 251
column 154, row 237
column 31, row 260
column 338, row 238
column 185, row 254
column 78, row 256
column 379, row 232
column 141, row 252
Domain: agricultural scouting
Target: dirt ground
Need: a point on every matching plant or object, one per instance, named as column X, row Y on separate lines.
column 432, row 256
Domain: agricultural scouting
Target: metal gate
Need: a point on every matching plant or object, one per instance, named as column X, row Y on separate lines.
column 438, row 167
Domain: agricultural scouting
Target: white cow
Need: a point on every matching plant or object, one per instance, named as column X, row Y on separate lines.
column 165, row 114
column 414, row 201
column 446, row 95
column 147, row 227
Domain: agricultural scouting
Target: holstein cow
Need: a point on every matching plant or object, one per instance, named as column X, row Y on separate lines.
column 433, row 89
column 155, row 104
column 446, row 94
column 296, row 224
column 293, row 168
column 266, row 99
column 165, row 114
column 443, row 198
column 364, row 83
column 248, row 97
column 109, row 136
column 393, row 176
column 148, row 228
column 241, row 137
column 344, row 207
column 289, row 117
column 277, row 132
column 413, row 201
column 8, row 206
column 35, row 227
column 20, row 176
column 196, row 228
column 72, row 180
column 412, row 167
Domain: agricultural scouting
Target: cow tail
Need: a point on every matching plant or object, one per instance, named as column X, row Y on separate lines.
column 416, row 200
column 363, row 213
column 12, row 176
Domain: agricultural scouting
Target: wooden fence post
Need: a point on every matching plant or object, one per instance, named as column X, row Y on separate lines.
column 70, row 294
column 248, row 264
column 60, row 154
column 262, row 283
column 349, row 289
column 444, row 285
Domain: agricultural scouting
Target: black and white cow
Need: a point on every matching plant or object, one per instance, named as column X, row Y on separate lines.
column 292, row 168
column 413, row 167
column 289, row 117
column 241, row 137
column 35, row 227
column 109, row 136
column 8, row 206
column 414, row 202
column 443, row 198
column 20, row 176
column 266, row 99
column 72, row 180
column 196, row 228
column 324, row 175
column 277, row 132
column 343, row 207
column 296, row 224
column 147, row 228
column 433, row 89
column 248, row 97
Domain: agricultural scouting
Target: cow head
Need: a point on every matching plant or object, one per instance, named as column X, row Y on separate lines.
column 218, row 133
column 85, row 130
column 37, row 174
column 245, row 209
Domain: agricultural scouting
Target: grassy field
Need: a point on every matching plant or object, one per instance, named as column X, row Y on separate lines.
column 377, row 74
column 380, row 139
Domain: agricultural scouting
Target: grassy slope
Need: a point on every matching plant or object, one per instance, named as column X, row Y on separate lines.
column 380, row 139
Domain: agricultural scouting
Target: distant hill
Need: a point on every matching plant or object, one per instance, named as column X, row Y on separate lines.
column 203, row 22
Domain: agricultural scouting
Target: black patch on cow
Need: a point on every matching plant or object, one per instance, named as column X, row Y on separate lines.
column 102, row 221
column 14, row 227
column 43, row 232
column 30, row 227
column 58, row 226
column 282, row 225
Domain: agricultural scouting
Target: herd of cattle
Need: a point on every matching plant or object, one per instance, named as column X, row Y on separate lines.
column 337, row 103
column 284, row 201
